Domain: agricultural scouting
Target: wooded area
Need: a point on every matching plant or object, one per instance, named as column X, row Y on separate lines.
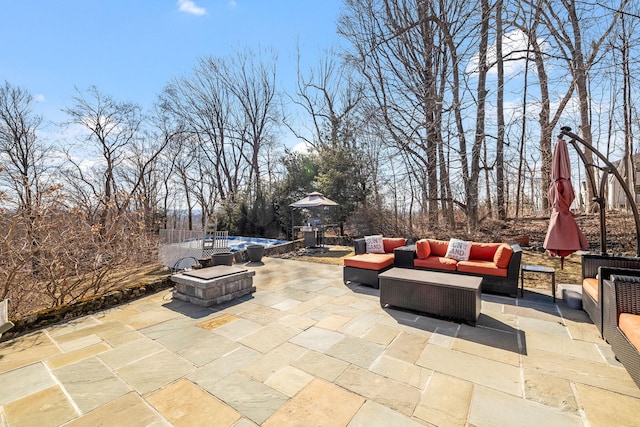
column 431, row 114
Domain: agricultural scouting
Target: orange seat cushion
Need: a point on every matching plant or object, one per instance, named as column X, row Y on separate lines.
column 590, row 286
column 629, row 324
column 370, row 261
column 436, row 263
column 503, row 256
column 483, row 251
column 423, row 249
column 485, row 268
column 390, row 243
column 438, row 247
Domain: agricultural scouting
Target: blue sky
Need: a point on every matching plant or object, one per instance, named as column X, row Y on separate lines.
column 131, row 49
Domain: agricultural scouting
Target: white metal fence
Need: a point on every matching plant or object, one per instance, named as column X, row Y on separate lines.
column 180, row 249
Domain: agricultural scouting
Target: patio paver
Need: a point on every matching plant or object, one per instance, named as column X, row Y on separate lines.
column 306, row 349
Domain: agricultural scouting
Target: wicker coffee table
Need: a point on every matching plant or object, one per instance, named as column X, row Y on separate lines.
column 453, row 296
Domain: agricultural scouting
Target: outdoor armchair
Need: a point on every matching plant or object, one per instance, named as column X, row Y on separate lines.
column 592, row 281
column 621, row 303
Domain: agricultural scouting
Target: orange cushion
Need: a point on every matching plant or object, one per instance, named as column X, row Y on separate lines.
column 369, row 261
column 423, row 249
column 390, row 243
column 503, row 256
column 487, row 268
column 436, row 263
column 629, row 324
column 438, row 247
column 590, row 286
column 483, row 251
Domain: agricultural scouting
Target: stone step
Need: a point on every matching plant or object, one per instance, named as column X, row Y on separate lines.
column 571, row 295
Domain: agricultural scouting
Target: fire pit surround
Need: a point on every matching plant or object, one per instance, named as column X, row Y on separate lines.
column 213, row 285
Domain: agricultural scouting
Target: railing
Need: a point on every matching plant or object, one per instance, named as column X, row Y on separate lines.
column 215, row 242
column 190, row 245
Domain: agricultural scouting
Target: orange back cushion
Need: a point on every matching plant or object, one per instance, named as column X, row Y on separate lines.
column 503, row 256
column 483, row 251
column 390, row 243
column 423, row 249
column 438, row 247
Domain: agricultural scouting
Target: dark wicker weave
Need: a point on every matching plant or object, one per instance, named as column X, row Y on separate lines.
column 606, row 274
column 362, row 276
column 452, row 296
column 590, row 265
column 622, row 295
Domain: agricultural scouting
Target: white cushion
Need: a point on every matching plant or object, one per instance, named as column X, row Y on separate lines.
column 458, row 250
column 374, row 244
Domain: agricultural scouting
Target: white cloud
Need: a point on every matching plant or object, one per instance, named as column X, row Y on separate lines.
column 514, row 43
column 38, row 97
column 233, row 4
column 188, row 6
column 302, row 148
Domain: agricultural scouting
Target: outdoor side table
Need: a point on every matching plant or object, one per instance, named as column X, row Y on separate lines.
column 540, row 269
column 404, row 255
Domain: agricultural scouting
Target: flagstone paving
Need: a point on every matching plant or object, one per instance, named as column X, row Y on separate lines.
column 307, row 350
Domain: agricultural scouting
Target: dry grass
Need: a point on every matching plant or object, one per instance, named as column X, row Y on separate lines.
column 144, row 274
column 570, row 274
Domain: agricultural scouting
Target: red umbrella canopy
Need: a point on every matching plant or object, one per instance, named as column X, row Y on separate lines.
column 564, row 237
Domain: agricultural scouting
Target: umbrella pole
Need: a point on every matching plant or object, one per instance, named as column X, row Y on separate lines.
column 601, row 204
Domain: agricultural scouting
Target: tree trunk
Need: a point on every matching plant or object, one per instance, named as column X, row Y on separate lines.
column 472, row 185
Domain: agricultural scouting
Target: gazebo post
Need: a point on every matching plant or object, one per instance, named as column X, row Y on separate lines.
column 612, row 169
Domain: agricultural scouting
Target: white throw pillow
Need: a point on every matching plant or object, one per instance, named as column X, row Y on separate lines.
column 374, row 244
column 458, row 250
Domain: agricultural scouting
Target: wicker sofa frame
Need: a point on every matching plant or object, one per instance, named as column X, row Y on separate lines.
column 491, row 284
column 622, row 295
column 591, row 264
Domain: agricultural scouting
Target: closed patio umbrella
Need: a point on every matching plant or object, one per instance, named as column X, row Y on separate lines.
column 564, row 237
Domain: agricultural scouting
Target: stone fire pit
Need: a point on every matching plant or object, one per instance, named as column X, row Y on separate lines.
column 213, row 285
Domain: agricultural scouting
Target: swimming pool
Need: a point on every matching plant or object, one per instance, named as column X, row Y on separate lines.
column 237, row 243
column 182, row 252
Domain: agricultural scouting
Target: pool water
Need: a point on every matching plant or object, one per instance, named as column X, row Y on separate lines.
column 237, row 243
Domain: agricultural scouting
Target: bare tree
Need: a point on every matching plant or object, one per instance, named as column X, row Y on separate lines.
column 23, row 177
column 579, row 42
column 201, row 103
column 500, row 184
column 251, row 79
column 396, row 48
column 110, row 131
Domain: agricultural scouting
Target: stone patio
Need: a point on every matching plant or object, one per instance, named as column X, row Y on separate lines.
column 306, row 350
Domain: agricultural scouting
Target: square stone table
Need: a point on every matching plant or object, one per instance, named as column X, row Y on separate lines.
column 213, row 285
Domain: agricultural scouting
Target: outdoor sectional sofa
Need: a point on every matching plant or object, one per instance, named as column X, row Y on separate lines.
column 497, row 263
